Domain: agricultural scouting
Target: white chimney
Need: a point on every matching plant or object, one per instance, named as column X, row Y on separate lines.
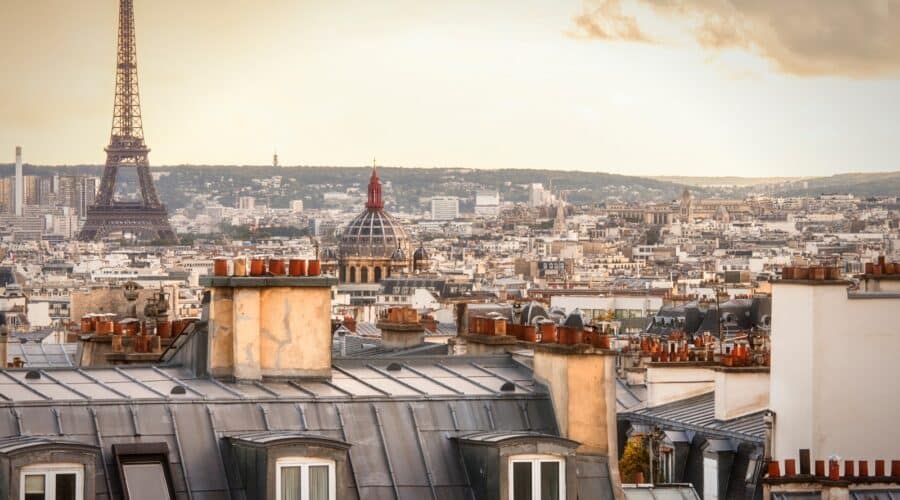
column 20, row 182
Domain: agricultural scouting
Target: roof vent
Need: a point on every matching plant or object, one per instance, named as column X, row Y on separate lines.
column 508, row 387
column 178, row 390
column 33, row 375
column 394, row 367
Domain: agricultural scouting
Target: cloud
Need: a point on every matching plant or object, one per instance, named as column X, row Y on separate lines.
column 606, row 21
column 856, row 38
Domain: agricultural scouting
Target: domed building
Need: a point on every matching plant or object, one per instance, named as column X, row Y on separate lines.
column 374, row 245
column 329, row 261
column 421, row 260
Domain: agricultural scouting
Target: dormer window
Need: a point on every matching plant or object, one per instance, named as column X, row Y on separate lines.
column 297, row 466
column 301, row 478
column 537, row 477
column 529, row 465
column 52, row 482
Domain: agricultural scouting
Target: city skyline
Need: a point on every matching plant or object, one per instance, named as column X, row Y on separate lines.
column 574, row 86
column 654, row 251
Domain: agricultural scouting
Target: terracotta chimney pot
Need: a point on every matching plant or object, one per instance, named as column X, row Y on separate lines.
column 863, row 468
column 790, row 467
column 834, row 470
column 774, row 469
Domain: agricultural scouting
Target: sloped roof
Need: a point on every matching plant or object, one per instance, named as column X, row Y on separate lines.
column 366, row 329
column 399, row 423
column 353, row 346
column 660, row 492
column 879, row 494
column 426, row 376
column 39, row 355
column 629, row 397
column 495, row 437
column 282, row 437
column 16, row 443
column 698, row 414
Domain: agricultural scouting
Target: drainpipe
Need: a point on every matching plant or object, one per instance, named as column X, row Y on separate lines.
column 769, row 421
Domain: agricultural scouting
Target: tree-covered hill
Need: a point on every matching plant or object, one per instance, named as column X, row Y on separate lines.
column 407, row 187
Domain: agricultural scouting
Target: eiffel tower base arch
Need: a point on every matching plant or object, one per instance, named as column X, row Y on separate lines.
column 145, row 223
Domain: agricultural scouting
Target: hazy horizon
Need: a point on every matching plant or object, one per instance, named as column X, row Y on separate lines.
column 561, row 170
column 630, row 87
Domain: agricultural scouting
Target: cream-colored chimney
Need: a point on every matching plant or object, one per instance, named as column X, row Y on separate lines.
column 740, row 391
column 582, row 384
column 269, row 326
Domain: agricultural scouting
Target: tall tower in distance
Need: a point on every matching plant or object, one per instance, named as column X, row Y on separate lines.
column 20, row 183
column 559, row 224
column 687, row 206
column 147, row 218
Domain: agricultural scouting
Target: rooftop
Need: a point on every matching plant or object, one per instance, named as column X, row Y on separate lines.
column 698, row 414
column 398, row 416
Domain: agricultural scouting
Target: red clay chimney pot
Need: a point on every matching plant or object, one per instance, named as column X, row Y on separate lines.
column 834, row 470
column 820, row 468
column 790, row 467
column 774, row 469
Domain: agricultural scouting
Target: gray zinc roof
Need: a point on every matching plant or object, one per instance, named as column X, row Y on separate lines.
column 502, row 437
column 660, row 492
column 400, row 423
column 37, row 354
column 352, row 346
column 698, row 414
column 629, row 397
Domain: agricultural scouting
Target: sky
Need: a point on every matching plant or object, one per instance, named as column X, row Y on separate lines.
column 636, row 87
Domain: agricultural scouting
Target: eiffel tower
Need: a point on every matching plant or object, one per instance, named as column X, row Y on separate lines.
column 147, row 218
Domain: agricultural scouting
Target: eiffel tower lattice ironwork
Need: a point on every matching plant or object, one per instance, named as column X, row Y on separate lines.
column 147, row 218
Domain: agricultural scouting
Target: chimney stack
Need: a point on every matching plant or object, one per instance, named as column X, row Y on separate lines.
column 582, row 383
column 401, row 328
column 20, row 183
column 269, row 326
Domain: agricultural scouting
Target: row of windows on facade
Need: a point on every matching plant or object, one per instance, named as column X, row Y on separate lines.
column 620, row 314
column 410, row 290
column 531, row 477
column 348, row 274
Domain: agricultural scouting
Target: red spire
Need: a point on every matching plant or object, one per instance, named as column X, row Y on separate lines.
column 375, row 201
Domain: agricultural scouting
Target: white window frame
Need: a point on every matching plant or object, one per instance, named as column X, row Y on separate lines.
column 535, row 461
column 667, row 464
column 50, row 471
column 304, row 463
